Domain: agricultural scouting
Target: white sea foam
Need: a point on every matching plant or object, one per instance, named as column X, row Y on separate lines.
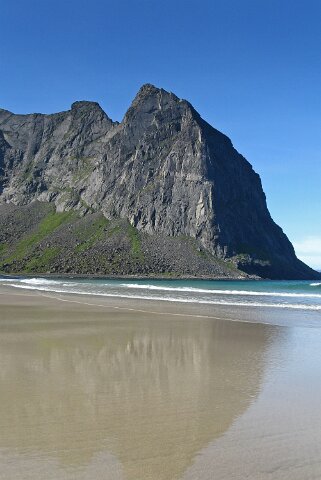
column 168, row 299
column 220, row 292
column 315, row 284
column 39, row 281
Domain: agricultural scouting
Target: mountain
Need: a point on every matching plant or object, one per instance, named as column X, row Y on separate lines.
column 160, row 192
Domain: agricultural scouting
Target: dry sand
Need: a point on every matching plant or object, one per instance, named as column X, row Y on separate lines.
column 96, row 388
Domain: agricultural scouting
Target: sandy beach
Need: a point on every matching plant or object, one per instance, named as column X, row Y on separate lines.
column 124, row 389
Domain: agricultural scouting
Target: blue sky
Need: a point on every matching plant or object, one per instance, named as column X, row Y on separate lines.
column 252, row 68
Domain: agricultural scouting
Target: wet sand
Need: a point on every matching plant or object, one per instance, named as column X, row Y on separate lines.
column 116, row 389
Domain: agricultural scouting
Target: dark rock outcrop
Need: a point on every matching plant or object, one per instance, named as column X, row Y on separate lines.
column 163, row 168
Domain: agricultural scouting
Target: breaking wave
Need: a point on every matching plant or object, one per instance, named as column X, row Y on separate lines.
column 221, row 292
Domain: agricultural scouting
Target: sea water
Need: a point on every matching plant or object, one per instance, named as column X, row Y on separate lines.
column 295, row 295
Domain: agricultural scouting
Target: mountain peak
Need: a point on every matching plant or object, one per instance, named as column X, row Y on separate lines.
column 90, row 110
column 85, row 104
column 150, row 101
column 148, row 89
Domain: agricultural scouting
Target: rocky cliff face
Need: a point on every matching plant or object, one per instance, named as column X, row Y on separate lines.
column 163, row 168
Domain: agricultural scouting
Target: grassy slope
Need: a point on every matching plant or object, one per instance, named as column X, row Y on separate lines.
column 36, row 239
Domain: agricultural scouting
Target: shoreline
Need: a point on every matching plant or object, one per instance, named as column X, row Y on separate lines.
column 11, row 297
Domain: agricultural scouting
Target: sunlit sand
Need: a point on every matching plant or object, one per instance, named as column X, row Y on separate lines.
column 108, row 391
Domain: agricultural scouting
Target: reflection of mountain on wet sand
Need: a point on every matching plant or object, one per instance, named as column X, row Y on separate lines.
column 150, row 393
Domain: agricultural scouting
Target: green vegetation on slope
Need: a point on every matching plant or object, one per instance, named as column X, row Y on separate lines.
column 92, row 234
column 133, row 235
column 47, row 226
column 35, row 239
column 42, row 262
